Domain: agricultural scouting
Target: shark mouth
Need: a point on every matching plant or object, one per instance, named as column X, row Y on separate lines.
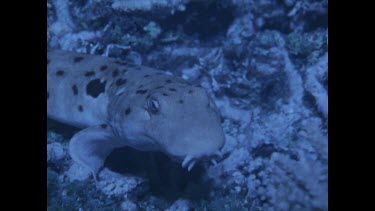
column 190, row 161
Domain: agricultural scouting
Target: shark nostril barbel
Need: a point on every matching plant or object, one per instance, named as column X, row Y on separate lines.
column 191, row 165
column 186, row 161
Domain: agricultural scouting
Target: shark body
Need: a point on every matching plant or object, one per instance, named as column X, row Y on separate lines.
column 121, row 104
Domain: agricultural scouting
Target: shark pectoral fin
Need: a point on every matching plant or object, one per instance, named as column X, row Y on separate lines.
column 91, row 146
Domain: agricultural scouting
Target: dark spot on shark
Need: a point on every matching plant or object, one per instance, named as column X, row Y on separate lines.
column 146, row 76
column 78, row 59
column 159, row 87
column 94, row 88
column 181, row 101
column 172, row 89
column 140, row 91
column 120, row 82
column 104, row 126
column 190, row 91
column 168, row 81
column 103, row 67
column 89, row 73
column 115, row 73
column 60, row 73
column 80, row 108
column 124, row 70
column 165, row 94
column 75, row 90
column 140, row 86
column 127, row 111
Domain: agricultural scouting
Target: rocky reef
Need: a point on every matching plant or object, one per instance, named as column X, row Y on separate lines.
column 264, row 62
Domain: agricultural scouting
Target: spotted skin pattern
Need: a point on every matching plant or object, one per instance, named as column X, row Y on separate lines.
column 121, row 104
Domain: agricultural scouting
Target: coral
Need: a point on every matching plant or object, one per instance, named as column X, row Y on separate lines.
column 238, row 157
column 61, row 24
column 127, row 205
column 77, row 41
column 257, row 76
column 230, row 200
column 152, row 29
column 64, row 21
column 316, row 77
column 307, row 47
column 133, row 5
column 116, row 184
column 288, row 148
column 294, row 184
column 80, row 195
column 183, row 61
column 238, row 35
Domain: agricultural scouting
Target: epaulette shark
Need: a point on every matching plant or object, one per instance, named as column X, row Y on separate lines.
column 119, row 104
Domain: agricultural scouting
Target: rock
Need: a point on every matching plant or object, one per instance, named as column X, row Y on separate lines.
column 78, row 172
column 191, row 74
column 59, row 28
column 134, row 57
column 55, row 152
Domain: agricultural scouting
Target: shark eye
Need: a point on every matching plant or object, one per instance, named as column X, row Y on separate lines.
column 153, row 106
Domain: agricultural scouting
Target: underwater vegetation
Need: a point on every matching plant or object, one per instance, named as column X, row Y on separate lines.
column 264, row 62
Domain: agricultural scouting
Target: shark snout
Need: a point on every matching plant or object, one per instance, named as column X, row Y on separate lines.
column 201, row 151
